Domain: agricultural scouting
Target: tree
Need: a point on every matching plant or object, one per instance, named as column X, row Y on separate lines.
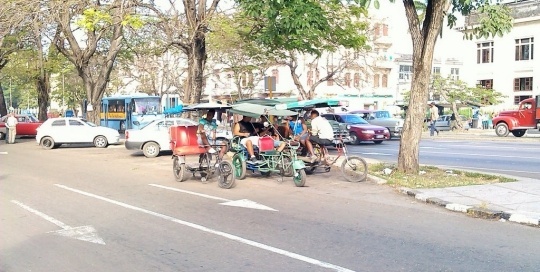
column 245, row 61
column 457, row 91
column 103, row 23
column 495, row 20
column 187, row 30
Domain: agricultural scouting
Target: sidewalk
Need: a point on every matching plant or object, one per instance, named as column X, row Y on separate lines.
column 513, row 201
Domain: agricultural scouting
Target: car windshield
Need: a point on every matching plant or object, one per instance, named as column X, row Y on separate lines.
column 353, row 119
column 150, row 123
column 382, row 114
column 88, row 123
column 32, row 118
column 149, row 105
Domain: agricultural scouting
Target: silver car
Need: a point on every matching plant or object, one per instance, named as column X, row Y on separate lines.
column 444, row 122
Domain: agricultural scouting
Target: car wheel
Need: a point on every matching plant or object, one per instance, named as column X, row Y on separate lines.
column 502, row 130
column 390, row 133
column 378, row 142
column 519, row 132
column 47, row 143
column 354, row 138
column 150, row 150
column 100, row 142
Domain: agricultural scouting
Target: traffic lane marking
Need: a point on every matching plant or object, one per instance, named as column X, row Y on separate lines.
column 213, row 231
column 243, row 203
column 3, row 153
column 83, row 233
column 482, row 155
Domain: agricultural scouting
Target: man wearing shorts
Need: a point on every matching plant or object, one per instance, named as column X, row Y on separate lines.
column 244, row 128
column 300, row 133
column 321, row 131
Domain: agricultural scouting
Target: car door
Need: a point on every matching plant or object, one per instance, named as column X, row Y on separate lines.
column 162, row 133
column 78, row 132
column 58, row 131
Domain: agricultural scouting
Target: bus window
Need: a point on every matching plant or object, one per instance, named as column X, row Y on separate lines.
column 147, row 106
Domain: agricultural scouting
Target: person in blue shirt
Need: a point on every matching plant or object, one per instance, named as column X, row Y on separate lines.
column 300, row 132
column 207, row 130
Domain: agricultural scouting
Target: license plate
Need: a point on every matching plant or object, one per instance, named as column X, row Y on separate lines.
column 379, row 136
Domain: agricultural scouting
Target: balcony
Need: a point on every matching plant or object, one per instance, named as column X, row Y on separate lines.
column 385, row 63
column 383, row 41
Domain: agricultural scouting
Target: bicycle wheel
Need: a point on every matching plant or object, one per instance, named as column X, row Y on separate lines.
column 179, row 170
column 299, row 178
column 286, row 167
column 239, row 166
column 226, row 176
column 354, row 169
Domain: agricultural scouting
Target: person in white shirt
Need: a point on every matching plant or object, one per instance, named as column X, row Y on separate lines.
column 322, row 132
column 11, row 124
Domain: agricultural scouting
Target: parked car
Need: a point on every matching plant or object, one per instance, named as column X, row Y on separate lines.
column 360, row 129
column 26, row 127
column 382, row 118
column 154, row 137
column 341, row 131
column 57, row 131
column 443, row 123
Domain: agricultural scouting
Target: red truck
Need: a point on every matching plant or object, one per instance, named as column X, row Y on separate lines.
column 518, row 121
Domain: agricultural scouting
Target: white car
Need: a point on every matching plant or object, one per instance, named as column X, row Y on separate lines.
column 57, row 131
column 154, row 137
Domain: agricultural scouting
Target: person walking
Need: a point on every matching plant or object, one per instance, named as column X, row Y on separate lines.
column 11, row 125
column 453, row 123
column 433, row 115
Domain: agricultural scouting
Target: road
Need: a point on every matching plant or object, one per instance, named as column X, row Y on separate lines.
column 141, row 224
column 516, row 158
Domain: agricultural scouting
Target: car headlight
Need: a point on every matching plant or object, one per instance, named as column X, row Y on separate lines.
column 386, row 131
column 348, row 126
column 368, row 131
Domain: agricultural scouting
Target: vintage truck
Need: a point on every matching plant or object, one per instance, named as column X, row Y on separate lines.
column 518, row 121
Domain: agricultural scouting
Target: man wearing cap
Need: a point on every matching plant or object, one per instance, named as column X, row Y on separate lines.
column 434, row 115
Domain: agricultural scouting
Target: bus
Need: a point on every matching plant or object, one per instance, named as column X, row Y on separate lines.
column 130, row 111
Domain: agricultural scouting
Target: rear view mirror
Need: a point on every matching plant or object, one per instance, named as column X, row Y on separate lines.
column 136, row 123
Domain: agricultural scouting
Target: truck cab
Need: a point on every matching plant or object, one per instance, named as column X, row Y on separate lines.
column 518, row 121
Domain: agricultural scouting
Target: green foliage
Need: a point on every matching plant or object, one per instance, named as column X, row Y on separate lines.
column 454, row 91
column 135, row 21
column 93, row 19
column 306, row 26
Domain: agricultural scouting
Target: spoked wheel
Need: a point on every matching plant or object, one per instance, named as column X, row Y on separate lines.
column 286, row 167
column 299, row 178
column 225, row 175
column 179, row 170
column 354, row 169
column 239, row 166
column 206, row 173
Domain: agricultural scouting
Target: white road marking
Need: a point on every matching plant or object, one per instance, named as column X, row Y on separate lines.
column 375, row 153
column 482, row 155
column 215, row 232
column 83, row 233
column 487, row 169
column 244, row 203
column 3, row 153
column 431, row 147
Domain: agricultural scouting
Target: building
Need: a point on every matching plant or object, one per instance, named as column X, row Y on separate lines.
column 507, row 64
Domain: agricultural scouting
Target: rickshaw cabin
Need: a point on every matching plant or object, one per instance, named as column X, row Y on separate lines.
column 184, row 140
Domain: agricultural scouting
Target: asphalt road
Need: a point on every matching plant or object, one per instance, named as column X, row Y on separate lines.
column 512, row 157
column 329, row 225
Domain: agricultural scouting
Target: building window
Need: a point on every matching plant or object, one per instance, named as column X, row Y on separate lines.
column 524, row 49
column 310, row 78
column 275, row 73
column 436, row 70
column 356, row 80
column 523, row 84
column 486, row 83
column 484, row 52
column 384, row 81
column 348, row 79
column 519, row 98
column 330, row 82
column 385, row 30
column 454, row 73
column 376, row 81
column 405, row 72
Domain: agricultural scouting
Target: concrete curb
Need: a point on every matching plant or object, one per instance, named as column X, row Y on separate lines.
column 480, row 212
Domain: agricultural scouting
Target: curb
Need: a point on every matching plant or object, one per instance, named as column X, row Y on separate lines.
column 479, row 212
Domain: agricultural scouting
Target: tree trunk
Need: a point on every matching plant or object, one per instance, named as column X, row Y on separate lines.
column 3, row 104
column 43, row 85
column 199, row 61
column 424, row 39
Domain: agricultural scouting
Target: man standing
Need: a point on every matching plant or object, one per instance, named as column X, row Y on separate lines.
column 11, row 125
column 434, row 115
column 453, row 123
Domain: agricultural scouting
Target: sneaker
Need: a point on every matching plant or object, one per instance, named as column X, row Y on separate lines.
column 212, row 150
column 253, row 160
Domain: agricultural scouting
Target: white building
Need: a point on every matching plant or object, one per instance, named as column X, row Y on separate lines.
column 507, row 64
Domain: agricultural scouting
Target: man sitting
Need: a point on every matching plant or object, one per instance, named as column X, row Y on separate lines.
column 208, row 125
column 322, row 132
column 244, row 128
